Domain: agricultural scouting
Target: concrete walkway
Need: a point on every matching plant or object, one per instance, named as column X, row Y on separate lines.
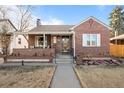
column 65, row 76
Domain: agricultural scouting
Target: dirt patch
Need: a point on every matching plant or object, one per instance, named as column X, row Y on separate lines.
column 101, row 76
column 26, row 76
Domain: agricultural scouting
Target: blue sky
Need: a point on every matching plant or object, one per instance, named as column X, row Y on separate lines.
column 72, row 14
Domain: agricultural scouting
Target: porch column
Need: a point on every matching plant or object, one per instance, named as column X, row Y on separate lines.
column 44, row 40
column 74, row 42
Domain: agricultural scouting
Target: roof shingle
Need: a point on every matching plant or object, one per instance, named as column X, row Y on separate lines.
column 51, row 28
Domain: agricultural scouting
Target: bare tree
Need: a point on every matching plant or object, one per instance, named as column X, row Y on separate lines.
column 25, row 19
column 5, row 38
column 4, row 12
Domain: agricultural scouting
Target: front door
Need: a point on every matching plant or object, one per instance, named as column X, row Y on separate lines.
column 65, row 44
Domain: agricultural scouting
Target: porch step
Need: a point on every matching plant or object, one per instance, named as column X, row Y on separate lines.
column 62, row 60
column 64, row 56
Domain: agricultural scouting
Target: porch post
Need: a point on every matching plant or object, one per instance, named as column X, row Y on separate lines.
column 74, row 42
column 44, row 40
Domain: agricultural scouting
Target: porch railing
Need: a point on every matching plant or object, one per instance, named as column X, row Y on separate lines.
column 37, row 53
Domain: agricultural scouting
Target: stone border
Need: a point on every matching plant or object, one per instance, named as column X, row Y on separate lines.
column 83, row 85
column 52, row 76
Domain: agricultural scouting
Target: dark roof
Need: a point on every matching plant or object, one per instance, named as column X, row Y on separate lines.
column 51, row 28
column 9, row 22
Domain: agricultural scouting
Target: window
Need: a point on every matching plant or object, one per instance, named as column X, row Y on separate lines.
column 19, row 40
column 91, row 40
column 40, row 41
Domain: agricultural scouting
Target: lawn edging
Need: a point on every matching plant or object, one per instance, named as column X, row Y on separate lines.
column 83, row 85
column 52, row 77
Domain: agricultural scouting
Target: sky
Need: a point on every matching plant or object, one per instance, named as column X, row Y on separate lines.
column 71, row 14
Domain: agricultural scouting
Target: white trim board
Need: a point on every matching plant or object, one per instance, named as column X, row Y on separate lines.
column 28, row 60
column 93, row 18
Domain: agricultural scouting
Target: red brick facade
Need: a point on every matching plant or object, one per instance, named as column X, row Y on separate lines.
column 36, row 53
column 92, row 27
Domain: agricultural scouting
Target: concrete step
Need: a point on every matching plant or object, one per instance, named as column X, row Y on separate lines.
column 64, row 56
column 63, row 60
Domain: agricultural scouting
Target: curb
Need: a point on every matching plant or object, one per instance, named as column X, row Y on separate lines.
column 83, row 85
column 52, row 76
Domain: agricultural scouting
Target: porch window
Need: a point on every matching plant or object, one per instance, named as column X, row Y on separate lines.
column 91, row 40
column 40, row 41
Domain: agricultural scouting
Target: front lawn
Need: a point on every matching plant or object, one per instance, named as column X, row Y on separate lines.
column 101, row 76
column 26, row 76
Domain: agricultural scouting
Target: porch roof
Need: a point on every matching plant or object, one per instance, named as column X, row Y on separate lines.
column 37, row 33
column 49, row 29
column 52, row 28
column 120, row 37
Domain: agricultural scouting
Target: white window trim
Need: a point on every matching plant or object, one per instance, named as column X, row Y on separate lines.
column 90, row 41
column 36, row 41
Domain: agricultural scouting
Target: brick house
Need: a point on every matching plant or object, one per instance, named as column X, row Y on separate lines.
column 88, row 38
column 92, row 38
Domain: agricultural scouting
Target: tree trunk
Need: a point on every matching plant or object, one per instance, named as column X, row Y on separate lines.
column 5, row 58
column 27, row 40
column 5, row 54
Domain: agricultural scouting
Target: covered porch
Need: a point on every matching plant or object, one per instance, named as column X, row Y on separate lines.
column 61, row 42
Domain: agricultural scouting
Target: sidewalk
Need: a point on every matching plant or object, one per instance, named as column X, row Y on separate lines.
column 65, row 77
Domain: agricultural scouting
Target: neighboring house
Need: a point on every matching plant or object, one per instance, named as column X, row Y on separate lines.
column 21, row 41
column 10, row 29
column 17, row 41
column 88, row 38
column 119, row 40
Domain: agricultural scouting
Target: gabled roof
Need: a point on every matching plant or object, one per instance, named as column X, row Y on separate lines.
column 1, row 20
column 93, row 18
column 117, row 37
column 52, row 28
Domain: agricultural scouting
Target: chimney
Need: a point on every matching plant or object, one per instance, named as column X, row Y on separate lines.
column 38, row 22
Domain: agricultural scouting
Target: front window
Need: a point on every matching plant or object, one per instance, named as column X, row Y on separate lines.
column 40, row 41
column 91, row 40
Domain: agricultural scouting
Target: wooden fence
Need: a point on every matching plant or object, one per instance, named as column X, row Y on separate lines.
column 117, row 50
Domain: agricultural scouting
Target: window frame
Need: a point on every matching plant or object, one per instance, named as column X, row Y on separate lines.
column 37, row 41
column 98, row 42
